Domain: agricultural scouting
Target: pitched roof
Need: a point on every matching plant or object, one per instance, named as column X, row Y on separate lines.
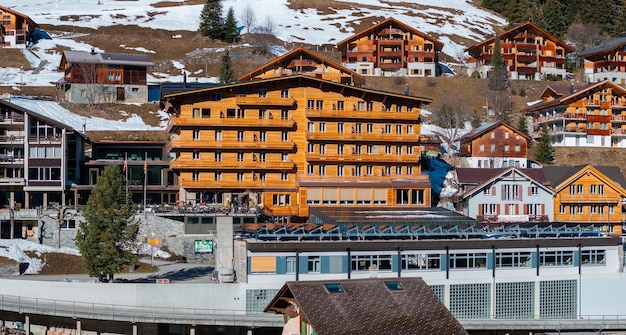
column 106, row 58
column 562, row 90
column 580, row 94
column 559, row 174
column 16, row 13
column 300, row 80
column 477, row 176
column 41, row 110
column 484, row 128
column 390, row 21
column 382, row 306
column 481, row 179
column 524, row 26
column 298, row 52
column 604, row 47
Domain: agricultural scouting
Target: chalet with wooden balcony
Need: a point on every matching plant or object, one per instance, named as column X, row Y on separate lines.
column 529, row 53
column 92, row 77
column 16, row 29
column 589, row 194
column 290, row 142
column 593, row 116
column 391, row 48
column 494, row 145
column 40, row 157
column 304, row 62
column 505, row 195
column 606, row 61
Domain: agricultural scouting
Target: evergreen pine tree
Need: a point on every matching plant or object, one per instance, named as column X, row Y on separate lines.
column 545, row 151
column 522, row 126
column 227, row 75
column 554, row 18
column 231, row 34
column 106, row 237
column 498, row 77
column 211, row 21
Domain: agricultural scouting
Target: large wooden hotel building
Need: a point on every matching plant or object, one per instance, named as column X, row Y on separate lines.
column 296, row 133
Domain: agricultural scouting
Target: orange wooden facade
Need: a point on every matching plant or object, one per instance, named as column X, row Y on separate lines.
column 299, row 141
column 529, row 52
column 598, row 109
column 391, row 46
column 305, row 62
column 501, row 140
column 589, row 196
column 15, row 28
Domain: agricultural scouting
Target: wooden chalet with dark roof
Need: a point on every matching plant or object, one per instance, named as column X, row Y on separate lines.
column 529, row 52
column 588, row 194
column 593, row 116
column 606, row 61
column 494, row 145
column 305, row 62
column 16, row 29
column 391, row 48
column 391, row 306
column 93, row 77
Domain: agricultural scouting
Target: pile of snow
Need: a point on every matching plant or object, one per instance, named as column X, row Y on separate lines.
column 16, row 250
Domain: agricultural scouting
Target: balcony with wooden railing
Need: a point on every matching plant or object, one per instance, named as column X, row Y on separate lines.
column 376, row 114
column 192, row 164
column 369, row 137
column 251, row 100
column 12, row 139
column 419, row 178
column 618, row 131
column 11, row 159
column 559, row 116
column 45, row 139
column 16, row 120
column 618, row 118
column 179, row 144
column 363, row 158
column 188, row 122
column 250, row 184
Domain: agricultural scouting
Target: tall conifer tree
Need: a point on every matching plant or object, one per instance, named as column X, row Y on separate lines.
column 211, row 21
column 545, row 151
column 231, row 34
column 227, row 75
column 107, row 236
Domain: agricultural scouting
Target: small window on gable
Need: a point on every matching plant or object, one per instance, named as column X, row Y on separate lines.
column 394, row 286
column 334, row 288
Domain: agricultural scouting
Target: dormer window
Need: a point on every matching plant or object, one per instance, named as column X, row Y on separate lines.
column 334, row 288
column 394, row 286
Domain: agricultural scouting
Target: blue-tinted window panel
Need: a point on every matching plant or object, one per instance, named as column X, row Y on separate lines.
column 334, row 288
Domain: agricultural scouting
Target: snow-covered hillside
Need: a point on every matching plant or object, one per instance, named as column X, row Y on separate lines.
column 447, row 20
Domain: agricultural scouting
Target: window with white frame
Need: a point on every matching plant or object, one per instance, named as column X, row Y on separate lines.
column 421, row 261
column 556, row 258
column 593, row 257
column 363, row 262
column 314, row 264
column 290, row 263
column 512, row 259
column 468, row 261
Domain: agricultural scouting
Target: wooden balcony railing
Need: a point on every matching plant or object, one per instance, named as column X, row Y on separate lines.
column 232, row 165
column 12, row 120
column 226, row 145
column 248, row 100
column 376, row 114
column 11, row 139
column 365, row 158
column 318, row 136
column 231, row 122
column 236, row 184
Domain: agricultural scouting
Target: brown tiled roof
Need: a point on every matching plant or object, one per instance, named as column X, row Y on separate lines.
column 477, row 176
column 558, row 174
column 369, row 306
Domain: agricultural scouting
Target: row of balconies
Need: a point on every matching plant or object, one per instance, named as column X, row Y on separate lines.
column 494, row 218
column 369, row 158
column 231, row 145
column 238, row 184
column 574, row 116
column 231, row 122
column 251, row 100
column 371, row 137
column 232, row 165
column 380, row 113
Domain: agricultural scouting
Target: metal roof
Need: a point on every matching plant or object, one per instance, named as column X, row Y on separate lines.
column 107, row 58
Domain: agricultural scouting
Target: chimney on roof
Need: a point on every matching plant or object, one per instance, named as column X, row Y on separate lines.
column 373, row 271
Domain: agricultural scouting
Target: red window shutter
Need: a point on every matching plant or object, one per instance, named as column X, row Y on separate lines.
column 543, row 209
column 502, row 190
column 493, row 190
column 498, row 209
column 506, row 209
column 525, row 209
column 530, row 190
column 480, row 209
column 516, row 209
